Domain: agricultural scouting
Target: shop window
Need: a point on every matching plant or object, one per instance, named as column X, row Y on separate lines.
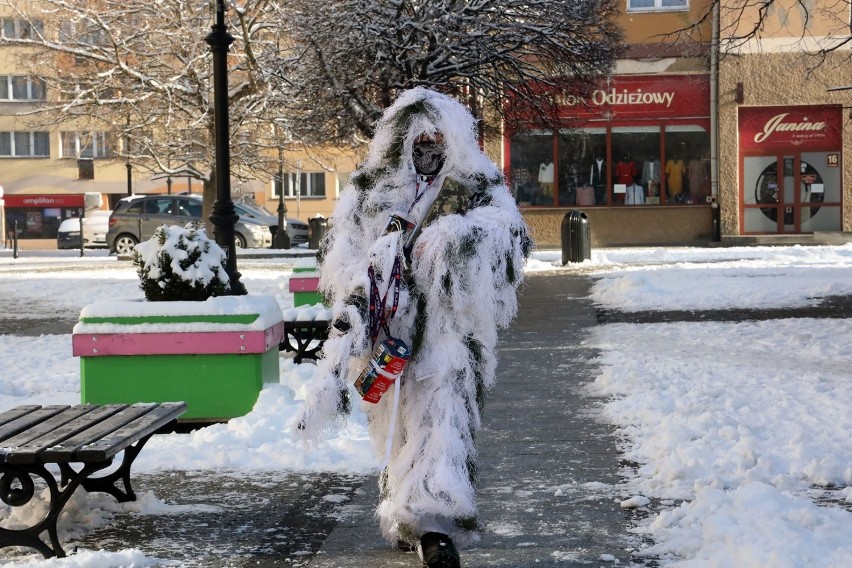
column 578, row 151
column 687, row 165
column 305, row 184
column 656, row 5
column 531, row 175
column 636, row 165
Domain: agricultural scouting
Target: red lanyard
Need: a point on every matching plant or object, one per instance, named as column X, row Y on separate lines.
column 379, row 316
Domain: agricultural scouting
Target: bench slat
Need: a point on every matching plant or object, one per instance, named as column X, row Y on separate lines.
column 65, row 451
column 26, row 421
column 116, row 441
column 27, row 452
column 11, row 446
column 17, row 412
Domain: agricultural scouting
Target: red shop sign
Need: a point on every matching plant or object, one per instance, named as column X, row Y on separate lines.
column 783, row 128
column 44, row 201
column 640, row 97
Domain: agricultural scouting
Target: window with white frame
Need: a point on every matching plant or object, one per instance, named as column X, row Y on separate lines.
column 307, row 184
column 12, row 28
column 656, row 5
column 25, row 144
column 21, row 88
column 74, row 32
column 86, row 145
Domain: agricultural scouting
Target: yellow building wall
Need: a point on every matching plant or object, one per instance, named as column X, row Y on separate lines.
column 665, row 26
column 784, row 19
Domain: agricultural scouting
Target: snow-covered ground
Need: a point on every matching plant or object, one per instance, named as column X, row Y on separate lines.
column 740, row 430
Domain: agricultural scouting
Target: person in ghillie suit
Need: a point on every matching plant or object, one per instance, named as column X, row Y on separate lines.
column 444, row 296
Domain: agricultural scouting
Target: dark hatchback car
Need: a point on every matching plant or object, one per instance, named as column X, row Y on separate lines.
column 136, row 218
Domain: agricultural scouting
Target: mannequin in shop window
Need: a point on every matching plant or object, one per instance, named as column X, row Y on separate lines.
column 545, row 181
column 675, row 170
column 651, row 176
column 569, row 181
column 597, row 179
column 525, row 185
column 695, row 169
column 625, row 170
column 635, row 193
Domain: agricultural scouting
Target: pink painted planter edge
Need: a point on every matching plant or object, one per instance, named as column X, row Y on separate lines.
column 304, row 284
column 177, row 343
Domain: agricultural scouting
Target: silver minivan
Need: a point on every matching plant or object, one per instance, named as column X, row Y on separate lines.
column 135, row 219
column 297, row 230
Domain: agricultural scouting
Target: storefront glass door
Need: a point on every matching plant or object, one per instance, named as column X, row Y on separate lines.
column 820, row 192
column 761, row 191
column 793, row 193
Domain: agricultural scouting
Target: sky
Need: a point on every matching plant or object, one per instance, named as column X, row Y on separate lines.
column 740, row 429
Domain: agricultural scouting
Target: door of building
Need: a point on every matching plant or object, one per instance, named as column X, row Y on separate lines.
column 791, row 193
column 790, row 178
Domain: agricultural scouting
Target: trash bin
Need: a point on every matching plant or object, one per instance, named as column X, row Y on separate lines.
column 576, row 237
column 316, row 231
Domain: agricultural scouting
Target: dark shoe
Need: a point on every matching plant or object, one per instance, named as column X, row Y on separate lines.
column 439, row 551
column 405, row 546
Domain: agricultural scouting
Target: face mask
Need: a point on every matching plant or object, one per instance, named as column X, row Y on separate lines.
column 428, row 157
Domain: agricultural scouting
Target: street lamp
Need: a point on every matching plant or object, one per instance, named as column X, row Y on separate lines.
column 282, row 239
column 224, row 215
column 127, row 164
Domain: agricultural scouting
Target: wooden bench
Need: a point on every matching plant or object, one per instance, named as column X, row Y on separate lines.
column 32, row 437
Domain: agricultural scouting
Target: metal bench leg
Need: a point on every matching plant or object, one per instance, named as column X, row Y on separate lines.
column 108, row 483
column 302, row 337
column 17, row 489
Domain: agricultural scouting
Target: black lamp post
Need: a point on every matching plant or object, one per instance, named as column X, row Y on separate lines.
column 127, row 164
column 282, row 239
column 224, row 215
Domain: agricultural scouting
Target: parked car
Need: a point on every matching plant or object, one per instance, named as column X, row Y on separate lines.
column 95, row 226
column 136, row 218
column 296, row 230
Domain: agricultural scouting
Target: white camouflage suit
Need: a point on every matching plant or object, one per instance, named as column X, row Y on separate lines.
column 460, row 287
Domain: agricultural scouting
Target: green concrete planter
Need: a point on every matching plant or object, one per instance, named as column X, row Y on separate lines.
column 214, row 355
column 304, row 284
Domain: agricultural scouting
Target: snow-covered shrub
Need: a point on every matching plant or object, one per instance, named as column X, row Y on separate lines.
column 181, row 263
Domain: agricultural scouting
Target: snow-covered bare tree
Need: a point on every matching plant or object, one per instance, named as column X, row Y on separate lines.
column 348, row 59
column 141, row 73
